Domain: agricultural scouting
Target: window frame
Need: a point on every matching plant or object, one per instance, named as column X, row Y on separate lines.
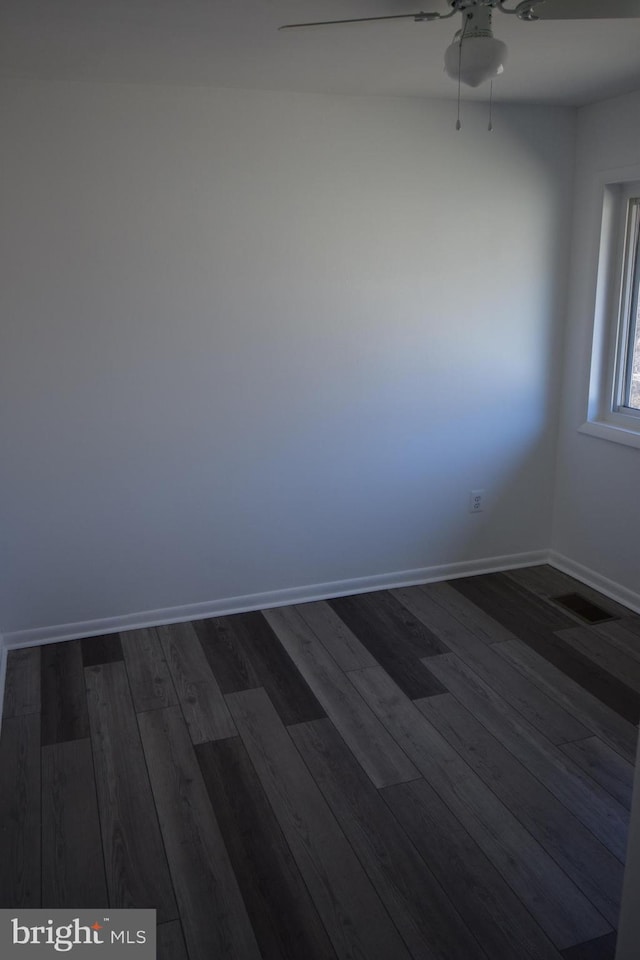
column 628, row 303
column 607, row 417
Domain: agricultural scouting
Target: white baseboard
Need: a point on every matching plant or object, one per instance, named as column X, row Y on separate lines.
column 609, row 588
column 274, row 598
column 3, row 672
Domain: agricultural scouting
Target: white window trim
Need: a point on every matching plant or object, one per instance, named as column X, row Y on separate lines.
column 614, row 188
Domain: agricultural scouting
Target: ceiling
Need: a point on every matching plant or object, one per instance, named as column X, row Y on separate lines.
column 236, row 43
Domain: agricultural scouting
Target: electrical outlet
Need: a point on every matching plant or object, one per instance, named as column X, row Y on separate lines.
column 476, row 501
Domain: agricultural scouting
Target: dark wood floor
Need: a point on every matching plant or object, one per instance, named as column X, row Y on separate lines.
column 432, row 772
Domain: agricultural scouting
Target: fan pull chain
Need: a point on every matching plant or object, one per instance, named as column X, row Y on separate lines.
column 490, row 127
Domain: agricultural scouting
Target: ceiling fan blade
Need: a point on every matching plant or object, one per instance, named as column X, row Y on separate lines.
column 586, row 9
column 418, row 17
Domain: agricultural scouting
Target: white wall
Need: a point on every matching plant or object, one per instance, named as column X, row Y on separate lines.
column 597, row 514
column 252, row 341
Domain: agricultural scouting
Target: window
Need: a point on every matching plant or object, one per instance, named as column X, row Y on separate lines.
column 626, row 396
column 613, row 411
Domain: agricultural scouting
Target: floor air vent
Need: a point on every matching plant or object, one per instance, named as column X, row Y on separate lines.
column 583, row 608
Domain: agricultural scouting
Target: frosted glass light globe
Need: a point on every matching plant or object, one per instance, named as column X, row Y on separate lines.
column 483, row 58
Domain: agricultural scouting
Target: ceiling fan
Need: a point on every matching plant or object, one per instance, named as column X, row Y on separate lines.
column 475, row 55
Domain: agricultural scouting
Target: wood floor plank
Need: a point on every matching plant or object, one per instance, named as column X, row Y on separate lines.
column 539, row 582
column 201, row 699
column 147, row 669
column 421, row 910
column 398, row 624
column 485, row 627
column 395, row 639
column 596, row 716
column 591, row 804
column 538, row 627
column 605, row 654
column 377, row 752
column 245, row 654
column 63, row 697
column 103, row 649
column 548, row 581
column 631, row 622
column 20, row 812
column 170, row 941
column 574, row 848
column 335, row 636
column 213, row 914
column 609, row 689
column 284, row 919
column 22, row 682
column 605, row 766
column 542, row 580
column 618, row 634
column 353, row 915
column 135, row 862
column 499, row 920
column 232, row 665
column 541, row 711
column 519, row 605
column 604, row 948
column 512, row 605
column 563, row 912
column 454, row 634
column 72, row 861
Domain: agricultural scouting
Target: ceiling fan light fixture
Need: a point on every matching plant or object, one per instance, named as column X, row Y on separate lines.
column 480, row 59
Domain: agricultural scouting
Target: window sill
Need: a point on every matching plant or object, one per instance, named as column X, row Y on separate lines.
column 616, row 433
